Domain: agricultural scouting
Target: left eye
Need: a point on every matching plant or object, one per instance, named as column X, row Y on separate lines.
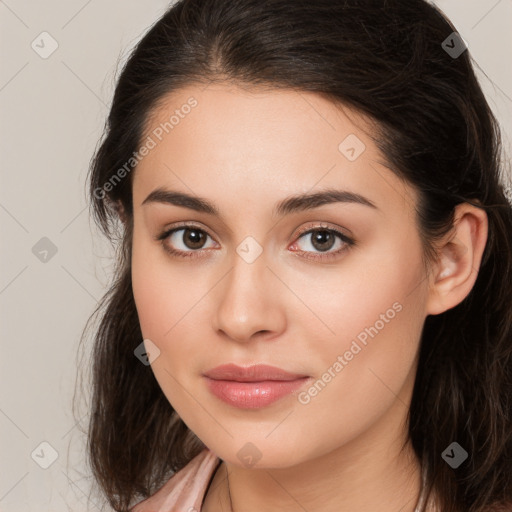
column 323, row 240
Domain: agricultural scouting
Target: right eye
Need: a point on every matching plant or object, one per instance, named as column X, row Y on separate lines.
column 184, row 241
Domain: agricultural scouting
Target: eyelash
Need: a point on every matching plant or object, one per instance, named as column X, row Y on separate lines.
column 348, row 242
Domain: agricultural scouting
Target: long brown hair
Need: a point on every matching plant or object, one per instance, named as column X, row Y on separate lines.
column 389, row 60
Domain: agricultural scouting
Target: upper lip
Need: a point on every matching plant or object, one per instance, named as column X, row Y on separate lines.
column 255, row 373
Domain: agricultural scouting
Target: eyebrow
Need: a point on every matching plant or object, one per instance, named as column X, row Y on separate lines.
column 291, row 204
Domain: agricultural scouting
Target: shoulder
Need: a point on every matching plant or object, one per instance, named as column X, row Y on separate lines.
column 185, row 490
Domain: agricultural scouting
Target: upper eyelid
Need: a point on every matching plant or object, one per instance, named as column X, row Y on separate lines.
column 185, row 225
column 317, row 227
column 300, row 232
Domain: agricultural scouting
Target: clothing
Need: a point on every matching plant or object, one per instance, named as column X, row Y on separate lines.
column 186, row 489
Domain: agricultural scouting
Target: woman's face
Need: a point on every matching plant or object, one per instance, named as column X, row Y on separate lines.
column 253, row 284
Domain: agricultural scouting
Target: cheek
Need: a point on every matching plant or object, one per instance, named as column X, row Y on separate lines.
column 169, row 303
column 375, row 292
column 159, row 289
column 376, row 311
column 162, row 307
column 153, row 298
column 365, row 375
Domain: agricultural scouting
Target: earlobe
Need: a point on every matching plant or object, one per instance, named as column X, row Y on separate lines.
column 459, row 258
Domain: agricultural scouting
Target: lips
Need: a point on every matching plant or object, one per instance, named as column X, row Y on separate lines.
column 254, row 386
column 255, row 373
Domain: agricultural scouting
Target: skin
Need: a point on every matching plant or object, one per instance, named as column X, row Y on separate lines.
column 245, row 151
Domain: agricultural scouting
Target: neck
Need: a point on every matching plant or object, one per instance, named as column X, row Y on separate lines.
column 368, row 473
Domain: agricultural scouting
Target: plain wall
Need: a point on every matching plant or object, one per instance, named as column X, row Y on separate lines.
column 52, row 115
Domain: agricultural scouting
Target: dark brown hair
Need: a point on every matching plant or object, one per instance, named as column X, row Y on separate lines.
column 386, row 60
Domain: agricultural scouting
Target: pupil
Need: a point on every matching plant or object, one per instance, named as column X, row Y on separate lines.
column 320, row 238
column 195, row 237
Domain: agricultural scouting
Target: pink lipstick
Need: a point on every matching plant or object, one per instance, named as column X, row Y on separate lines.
column 254, row 386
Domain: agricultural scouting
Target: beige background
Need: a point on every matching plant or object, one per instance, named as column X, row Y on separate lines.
column 52, row 115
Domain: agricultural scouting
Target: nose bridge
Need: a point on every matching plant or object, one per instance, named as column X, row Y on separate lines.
column 249, row 269
column 246, row 304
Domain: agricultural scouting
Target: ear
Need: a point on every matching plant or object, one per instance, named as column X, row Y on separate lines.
column 119, row 208
column 459, row 258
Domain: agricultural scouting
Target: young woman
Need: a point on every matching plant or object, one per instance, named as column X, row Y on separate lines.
column 312, row 305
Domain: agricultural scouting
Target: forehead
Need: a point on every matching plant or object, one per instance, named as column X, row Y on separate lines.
column 238, row 121
column 227, row 143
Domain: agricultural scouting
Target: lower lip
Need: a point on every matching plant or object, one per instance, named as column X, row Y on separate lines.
column 253, row 395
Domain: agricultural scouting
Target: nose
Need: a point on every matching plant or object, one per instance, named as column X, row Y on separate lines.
column 249, row 302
